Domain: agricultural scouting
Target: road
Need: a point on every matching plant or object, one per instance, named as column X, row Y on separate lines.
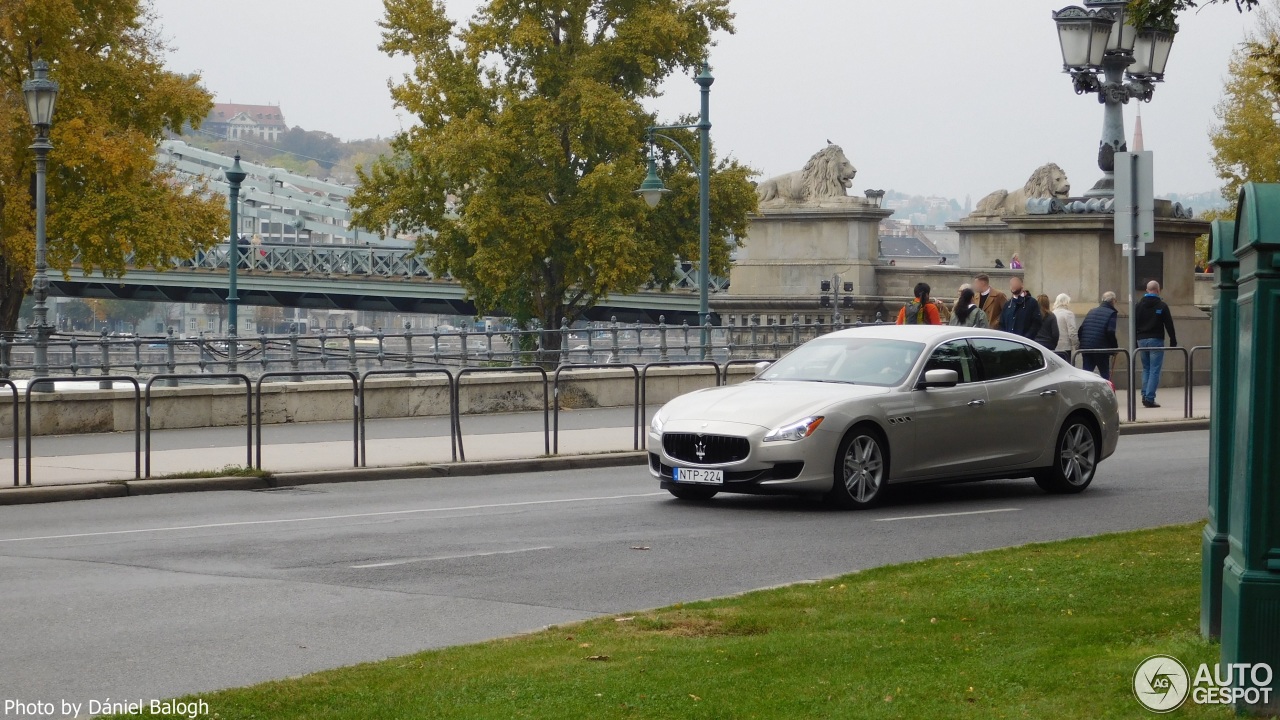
column 165, row 595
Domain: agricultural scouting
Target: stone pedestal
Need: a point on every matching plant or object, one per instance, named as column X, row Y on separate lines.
column 1076, row 254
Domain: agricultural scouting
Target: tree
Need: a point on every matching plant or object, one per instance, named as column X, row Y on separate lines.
column 520, row 172
column 125, row 312
column 106, row 197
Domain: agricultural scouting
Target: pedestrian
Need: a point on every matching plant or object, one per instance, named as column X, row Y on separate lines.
column 1152, row 320
column 966, row 312
column 919, row 311
column 998, row 263
column 1047, row 334
column 1068, row 331
column 1015, row 263
column 1021, row 314
column 990, row 300
column 1098, row 332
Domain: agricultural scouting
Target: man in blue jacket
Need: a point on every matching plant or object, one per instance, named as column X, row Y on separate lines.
column 1021, row 315
column 1098, row 332
column 1152, row 320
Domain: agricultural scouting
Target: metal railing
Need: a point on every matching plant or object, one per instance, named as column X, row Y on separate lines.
column 137, row 415
column 248, row 413
column 362, row 403
column 457, row 403
column 1131, row 365
column 637, row 419
column 355, row 409
column 644, row 385
column 95, row 355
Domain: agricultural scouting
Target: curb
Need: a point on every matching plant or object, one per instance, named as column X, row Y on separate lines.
column 1163, row 426
column 129, row 488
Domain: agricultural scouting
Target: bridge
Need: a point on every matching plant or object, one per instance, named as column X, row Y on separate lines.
column 377, row 278
column 307, row 254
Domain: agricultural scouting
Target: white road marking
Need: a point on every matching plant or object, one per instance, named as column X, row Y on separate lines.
column 955, row 514
column 448, row 557
column 242, row 523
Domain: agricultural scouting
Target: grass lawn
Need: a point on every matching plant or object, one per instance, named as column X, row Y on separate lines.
column 1043, row 631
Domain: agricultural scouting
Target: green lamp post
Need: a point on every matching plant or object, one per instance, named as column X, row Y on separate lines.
column 41, row 94
column 652, row 191
column 1226, row 332
column 1251, row 572
column 235, row 175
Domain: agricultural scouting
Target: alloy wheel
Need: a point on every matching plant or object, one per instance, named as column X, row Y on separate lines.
column 863, row 468
column 1078, row 454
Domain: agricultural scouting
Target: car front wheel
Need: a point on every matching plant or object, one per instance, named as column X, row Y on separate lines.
column 1075, row 459
column 861, row 471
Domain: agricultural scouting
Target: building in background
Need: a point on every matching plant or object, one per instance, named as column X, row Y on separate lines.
column 239, row 122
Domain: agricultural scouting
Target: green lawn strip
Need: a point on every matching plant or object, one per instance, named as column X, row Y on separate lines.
column 1043, row 631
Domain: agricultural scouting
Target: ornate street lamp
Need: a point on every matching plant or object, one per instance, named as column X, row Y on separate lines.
column 41, row 95
column 652, row 191
column 1105, row 54
column 235, row 175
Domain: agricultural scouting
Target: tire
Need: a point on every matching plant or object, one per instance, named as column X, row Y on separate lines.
column 861, row 474
column 693, row 492
column 1075, row 458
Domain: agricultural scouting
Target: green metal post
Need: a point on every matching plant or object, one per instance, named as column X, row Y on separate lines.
column 1251, row 572
column 1226, row 335
column 235, row 175
column 704, row 81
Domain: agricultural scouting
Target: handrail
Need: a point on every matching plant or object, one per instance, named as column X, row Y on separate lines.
column 355, row 407
column 1191, row 364
column 137, row 414
column 248, row 411
column 644, row 384
column 13, row 388
column 453, row 443
column 555, row 428
column 1186, row 362
column 731, row 363
column 1130, row 407
column 457, row 401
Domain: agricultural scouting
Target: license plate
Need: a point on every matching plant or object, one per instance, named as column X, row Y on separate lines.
column 695, row 475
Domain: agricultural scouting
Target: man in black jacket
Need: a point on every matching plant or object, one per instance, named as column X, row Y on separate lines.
column 1098, row 332
column 1021, row 315
column 1152, row 320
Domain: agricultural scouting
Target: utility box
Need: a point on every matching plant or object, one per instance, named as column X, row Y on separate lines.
column 1251, row 572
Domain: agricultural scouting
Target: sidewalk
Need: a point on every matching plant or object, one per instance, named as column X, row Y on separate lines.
column 401, row 442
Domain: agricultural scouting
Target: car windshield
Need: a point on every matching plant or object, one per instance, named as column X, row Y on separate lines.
column 863, row 361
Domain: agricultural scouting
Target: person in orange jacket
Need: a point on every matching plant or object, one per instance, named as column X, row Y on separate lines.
column 920, row 311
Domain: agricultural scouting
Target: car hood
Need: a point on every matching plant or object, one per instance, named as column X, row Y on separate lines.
column 764, row 403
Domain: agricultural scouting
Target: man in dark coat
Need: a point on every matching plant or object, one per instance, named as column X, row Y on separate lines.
column 1021, row 315
column 1098, row 332
column 1151, row 321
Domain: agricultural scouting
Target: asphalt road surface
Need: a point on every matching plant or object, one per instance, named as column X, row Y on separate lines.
column 151, row 597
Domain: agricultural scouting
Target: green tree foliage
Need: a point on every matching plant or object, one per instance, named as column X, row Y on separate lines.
column 519, row 174
column 106, row 197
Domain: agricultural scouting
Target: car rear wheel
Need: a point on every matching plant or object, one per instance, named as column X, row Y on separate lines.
column 1075, row 458
column 693, row 492
column 862, row 470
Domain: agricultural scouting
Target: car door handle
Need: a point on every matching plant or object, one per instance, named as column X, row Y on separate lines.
column 977, row 403
column 1048, row 393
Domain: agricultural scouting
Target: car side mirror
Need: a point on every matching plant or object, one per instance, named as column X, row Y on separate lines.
column 940, row 379
column 762, row 366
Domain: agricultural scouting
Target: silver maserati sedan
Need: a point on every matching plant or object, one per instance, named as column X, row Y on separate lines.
column 848, row 414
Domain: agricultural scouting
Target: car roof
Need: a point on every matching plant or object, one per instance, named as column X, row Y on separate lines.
column 924, row 333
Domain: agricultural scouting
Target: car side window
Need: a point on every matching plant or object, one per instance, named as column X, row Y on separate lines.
column 955, row 355
column 1006, row 358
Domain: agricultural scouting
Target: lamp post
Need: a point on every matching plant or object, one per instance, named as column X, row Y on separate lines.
column 41, row 94
column 652, row 191
column 235, row 176
column 1105, row 54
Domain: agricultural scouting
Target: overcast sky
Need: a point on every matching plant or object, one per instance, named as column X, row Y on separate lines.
column 925, row 96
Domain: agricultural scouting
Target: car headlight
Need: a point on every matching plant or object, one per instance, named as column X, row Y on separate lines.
column 795, row 431
column 656, row 424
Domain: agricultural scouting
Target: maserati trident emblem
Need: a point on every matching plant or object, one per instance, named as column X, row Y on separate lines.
column 700, row 448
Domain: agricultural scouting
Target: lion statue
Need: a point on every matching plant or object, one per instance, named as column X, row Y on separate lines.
column 1048, row 181
column 827, row 176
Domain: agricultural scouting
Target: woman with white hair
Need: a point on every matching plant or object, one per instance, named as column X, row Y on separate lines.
column 1068, row 329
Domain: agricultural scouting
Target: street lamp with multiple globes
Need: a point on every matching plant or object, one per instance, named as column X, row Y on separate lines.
column 1105, row 54
column 652, row 191
column 41, row 94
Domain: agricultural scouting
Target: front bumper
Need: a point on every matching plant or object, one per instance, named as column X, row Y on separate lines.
column 803, row 467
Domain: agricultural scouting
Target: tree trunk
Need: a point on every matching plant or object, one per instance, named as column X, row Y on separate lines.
column 13, row 288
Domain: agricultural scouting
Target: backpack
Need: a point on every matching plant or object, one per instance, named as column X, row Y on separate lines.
column 914, row 314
